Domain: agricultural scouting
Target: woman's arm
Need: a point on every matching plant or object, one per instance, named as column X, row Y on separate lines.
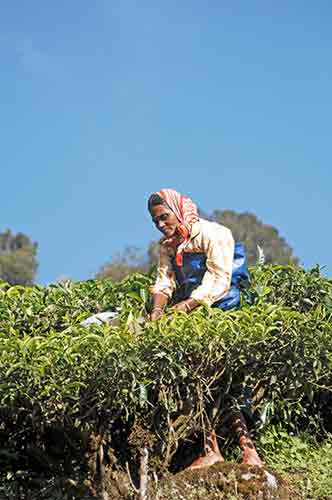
column 165, row 284
column 219, row 248
column 159, row 302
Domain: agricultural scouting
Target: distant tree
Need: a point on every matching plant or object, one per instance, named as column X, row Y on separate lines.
column 246, row 227
column 123, row 264
column 18, row 261
column 153, row 253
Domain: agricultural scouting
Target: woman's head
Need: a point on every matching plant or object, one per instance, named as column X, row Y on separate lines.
column 174, row 215
column 162, row 216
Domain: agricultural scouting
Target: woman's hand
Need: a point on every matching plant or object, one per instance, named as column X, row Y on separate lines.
column 160, row 301
column 181, row 307
column 156, row 313
column 186, row 305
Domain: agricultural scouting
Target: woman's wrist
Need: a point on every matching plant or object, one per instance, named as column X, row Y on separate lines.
column 159, row 302
column 157, row 309
column 157, row 312
column 190, row 304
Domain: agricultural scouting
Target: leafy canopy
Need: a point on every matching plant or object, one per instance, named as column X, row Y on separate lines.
column 18, row 261
column 153, row 384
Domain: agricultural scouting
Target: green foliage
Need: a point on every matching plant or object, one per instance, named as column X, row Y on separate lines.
column 292, row 287
column 154, row 384
column 40, row 310
column 301, row 459
column 18, row 263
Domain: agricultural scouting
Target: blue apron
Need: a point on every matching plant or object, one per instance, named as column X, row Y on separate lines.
column 189, row 276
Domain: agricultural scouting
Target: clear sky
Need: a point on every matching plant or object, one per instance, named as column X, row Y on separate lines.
column 105, row 101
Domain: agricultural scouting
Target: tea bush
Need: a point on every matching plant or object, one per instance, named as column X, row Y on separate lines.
column 65, row 388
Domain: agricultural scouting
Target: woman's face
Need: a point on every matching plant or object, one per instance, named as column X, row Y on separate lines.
column 165, row 220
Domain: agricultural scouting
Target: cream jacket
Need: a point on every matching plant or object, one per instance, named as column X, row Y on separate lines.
column 217, row 243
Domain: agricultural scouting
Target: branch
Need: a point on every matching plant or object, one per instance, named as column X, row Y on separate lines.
column 144, row 475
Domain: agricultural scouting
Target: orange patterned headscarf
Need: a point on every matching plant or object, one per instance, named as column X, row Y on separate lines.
column 186, row 212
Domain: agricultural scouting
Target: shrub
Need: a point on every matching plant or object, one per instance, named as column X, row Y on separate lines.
column 153, row 385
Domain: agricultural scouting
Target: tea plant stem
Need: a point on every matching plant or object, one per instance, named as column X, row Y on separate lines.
column 136, row 490
column 144, row 475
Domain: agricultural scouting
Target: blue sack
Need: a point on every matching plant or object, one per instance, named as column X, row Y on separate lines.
column 240, row 275
column 189, row 276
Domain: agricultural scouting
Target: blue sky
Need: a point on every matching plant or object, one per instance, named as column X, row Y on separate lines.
column 104, row 102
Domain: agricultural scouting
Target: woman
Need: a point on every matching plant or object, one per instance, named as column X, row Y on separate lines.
column 197, row 263
column 197, row 266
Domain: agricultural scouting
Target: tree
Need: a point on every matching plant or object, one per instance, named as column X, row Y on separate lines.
column 18, row 262
column 123, row 264
column 153, row 253
column 246, row 227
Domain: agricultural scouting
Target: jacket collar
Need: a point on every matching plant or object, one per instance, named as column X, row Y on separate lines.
column 195, row 229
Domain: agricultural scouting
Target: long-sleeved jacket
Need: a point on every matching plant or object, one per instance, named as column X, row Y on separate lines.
column 217, row 243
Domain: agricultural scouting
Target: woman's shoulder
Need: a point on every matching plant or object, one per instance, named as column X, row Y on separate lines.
column 212, row 229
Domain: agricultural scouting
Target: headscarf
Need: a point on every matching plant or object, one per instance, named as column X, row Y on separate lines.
column 186, row 212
